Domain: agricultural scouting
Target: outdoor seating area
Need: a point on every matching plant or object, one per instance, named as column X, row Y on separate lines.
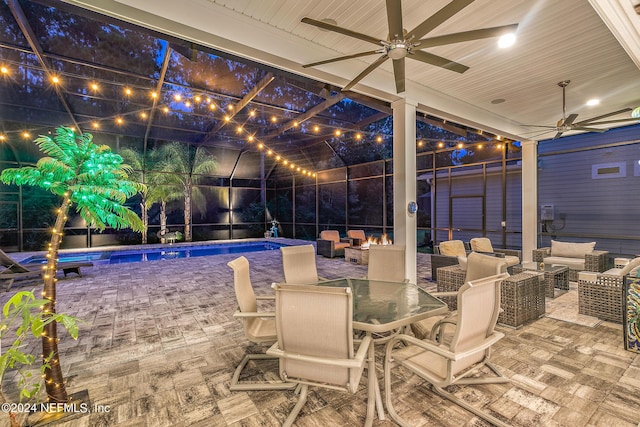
column 174, row 345
column 316, row 214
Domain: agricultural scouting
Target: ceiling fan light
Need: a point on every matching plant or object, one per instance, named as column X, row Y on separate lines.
column 397, row 50
column 507, row 40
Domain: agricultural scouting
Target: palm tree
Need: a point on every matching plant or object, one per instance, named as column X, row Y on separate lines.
column 181, row 165
column 135, row 159
column 160, row 193
column 96, row 181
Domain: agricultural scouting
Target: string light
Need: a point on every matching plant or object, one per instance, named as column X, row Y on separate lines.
column 4, row 70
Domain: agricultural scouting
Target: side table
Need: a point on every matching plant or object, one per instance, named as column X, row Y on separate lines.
column 555, row 276
column 522, row 298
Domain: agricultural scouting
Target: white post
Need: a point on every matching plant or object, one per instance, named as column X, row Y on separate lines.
column 529, row 198
column 404, row 181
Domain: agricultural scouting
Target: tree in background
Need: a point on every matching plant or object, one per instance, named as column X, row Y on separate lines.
column 179, row 167
column 96, row 181
column 135, row 159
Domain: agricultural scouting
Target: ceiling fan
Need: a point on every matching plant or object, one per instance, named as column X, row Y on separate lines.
column 400, row 43
column 566, row 124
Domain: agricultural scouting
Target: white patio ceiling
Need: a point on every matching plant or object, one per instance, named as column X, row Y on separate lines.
column 556, row 40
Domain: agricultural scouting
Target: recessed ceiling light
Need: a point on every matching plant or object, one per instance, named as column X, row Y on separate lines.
column 593, row 102
column 507, row 40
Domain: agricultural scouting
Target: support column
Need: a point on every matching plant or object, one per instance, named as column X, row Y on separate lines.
column 529, row 198
column 404, row 181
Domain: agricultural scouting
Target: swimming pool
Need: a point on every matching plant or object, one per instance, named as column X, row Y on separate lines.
column 155, row 254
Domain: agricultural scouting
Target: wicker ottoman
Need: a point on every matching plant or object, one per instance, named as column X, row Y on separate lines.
column 450, row 279
column 522, row 298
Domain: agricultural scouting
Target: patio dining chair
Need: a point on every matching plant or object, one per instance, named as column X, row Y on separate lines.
column 451, row 280
column 387, row 263
column 259, row 327
column 315, row 342
column 299, row 265
column 445, row 364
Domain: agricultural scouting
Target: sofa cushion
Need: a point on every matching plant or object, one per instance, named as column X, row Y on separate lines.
column 452, row 248
column 572, row 263
column 481, row 244
column 571, row 249
column 330, row 235
column 357, row 234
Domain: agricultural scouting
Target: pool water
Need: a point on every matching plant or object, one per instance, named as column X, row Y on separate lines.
column 155, row 254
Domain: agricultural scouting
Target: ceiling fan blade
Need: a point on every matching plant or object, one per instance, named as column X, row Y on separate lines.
column 467, row 36
column 558, row 135
column 604, row 116
column 341, row 58
column 394, row 18
column 609, row 122
column 589, row 129
column 438, row 61
column 438, row 18
column 366, row 71
column 340, row 30
column 569, row 120
column 398, row 72
column 541, row 126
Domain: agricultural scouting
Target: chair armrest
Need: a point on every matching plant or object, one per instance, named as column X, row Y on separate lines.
column 444, row 294
column 325, row 247
column 493, row 254
column 356, row 362
column 596, row 261
column 348, row 240
column 510, row 252
column 588, row 276
column 254, row 314
column 539, row 254
column 441, row 350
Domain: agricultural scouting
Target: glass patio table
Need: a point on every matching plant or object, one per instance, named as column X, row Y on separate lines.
column 383, row 307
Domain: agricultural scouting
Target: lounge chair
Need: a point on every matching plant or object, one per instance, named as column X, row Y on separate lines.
column 14, row 270
column 330, row 244
column 357, row 237
column 446, row 254
column 483, row 245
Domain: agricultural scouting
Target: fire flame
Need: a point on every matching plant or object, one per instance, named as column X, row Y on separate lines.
column 371, row 240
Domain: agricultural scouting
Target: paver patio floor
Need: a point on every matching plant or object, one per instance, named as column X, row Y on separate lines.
column 158, row 345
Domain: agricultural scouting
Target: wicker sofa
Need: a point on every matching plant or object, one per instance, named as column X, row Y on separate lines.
column 577, row 256
column 601, row 294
